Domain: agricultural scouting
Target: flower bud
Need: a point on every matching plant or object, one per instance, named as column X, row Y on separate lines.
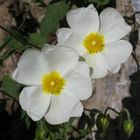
column 102, row 122
column 128, row 127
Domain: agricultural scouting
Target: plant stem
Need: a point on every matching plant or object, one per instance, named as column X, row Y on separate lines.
column 112, row 109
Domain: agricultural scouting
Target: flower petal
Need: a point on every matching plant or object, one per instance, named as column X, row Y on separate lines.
column 98, row 63
column 31, row 66
column 62, row 59
column 67, row 38
column 117, row 53
column 79, row 81
column 77, row 110
column 113, row 26
column 61, row 108
column 62, row 35
column 83, row 20
column 116, row 69
column 34, row 102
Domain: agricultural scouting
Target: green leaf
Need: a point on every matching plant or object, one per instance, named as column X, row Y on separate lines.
column 54, row 13
column 27, row 122
column 10, row 87
column 37, row 39
column 41, row 130
column 3, row 45
column 14, row 45
column 26, row 119
column 17, row 35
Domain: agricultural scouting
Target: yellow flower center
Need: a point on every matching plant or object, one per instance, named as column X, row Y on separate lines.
column 94, row 43
column 53, row 83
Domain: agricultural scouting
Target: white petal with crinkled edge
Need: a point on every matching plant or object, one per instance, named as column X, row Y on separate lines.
column 69, row 39
column 79, row 81
column 61, row 108
column 62, row 35
column 116, row 69
column 77, row 110
column 34, row 102
column 62, row 59
column 83, row 20
column 31, row 66
column 98, row 64
column 113, row 26
column 117, row 53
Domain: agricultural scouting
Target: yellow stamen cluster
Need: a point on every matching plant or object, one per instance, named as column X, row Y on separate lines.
column 94, row 43
column 53, row 83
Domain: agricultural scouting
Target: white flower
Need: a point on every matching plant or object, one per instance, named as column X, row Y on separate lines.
column 97, row 38
column 56, row 83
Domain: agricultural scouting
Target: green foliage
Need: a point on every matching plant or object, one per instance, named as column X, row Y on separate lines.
column 26, row 118
column 14, row 45
column 54, row 13
column 37, row 39
column 41, row 131
column 15, row 41
column 57, row 132
column 10, row 87
column 7, row 40
column 17, row 36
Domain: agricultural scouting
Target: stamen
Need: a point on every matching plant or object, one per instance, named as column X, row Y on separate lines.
column 94, row 43
column 53, row 83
